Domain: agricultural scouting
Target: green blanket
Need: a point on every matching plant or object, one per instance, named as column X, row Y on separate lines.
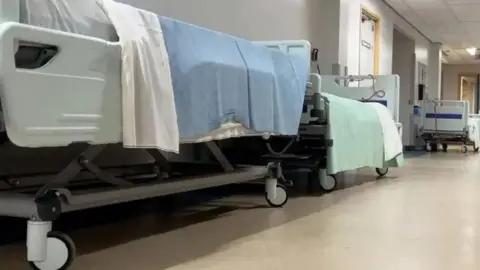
column 357, row 137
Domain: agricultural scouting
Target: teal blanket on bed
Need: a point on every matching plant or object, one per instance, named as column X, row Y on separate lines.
column 357, row 137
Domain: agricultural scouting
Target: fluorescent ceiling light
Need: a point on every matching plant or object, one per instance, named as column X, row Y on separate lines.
column 472, row 51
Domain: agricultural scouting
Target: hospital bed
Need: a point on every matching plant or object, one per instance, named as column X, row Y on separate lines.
column 62, row 88
column 447, row 122
column 321, row 149
column 378, row 89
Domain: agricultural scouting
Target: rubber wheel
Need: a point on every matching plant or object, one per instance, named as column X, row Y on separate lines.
column 475, row 148
column 464, row 149
column 329, row 183
column 280, row 200
column 60, row 253
column 444, row 147
column 434, row 147
column 381, row 171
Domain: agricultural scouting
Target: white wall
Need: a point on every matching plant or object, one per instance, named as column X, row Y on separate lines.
column 450, row 79
column 403, row 64
column 311, row 20
column 388, row 20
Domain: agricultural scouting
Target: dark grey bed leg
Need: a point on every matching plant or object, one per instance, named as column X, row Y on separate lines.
column 226, row 165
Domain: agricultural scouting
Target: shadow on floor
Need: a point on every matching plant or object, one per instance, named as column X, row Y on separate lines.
column 104, row 228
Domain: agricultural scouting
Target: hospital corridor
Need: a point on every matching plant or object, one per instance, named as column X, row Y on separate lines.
column 239, row 134
column 424, row 216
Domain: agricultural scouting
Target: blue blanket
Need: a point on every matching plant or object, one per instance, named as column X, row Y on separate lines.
column 219, row 78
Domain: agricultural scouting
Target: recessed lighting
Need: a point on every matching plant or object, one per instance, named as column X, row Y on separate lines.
column 472, row 51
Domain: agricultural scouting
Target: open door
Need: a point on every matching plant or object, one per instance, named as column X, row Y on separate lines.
column 369, row 45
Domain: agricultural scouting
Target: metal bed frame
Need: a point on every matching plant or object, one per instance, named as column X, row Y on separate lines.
column 83, row 185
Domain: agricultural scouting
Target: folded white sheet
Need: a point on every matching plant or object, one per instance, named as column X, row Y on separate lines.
column 149, row 115
column 392, row 140
column 474, row 130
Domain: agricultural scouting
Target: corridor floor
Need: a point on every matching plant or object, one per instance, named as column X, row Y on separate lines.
column 425, row 216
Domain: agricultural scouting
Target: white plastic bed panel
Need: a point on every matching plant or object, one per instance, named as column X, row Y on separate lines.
column 450, row 115
column 74, row 97
column 390, row 84
column 299, row 47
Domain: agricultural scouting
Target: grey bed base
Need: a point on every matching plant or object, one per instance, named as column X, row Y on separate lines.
column 83, row 185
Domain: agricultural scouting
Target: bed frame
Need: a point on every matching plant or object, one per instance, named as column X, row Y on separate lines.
column 42, row 70
column 445, row 122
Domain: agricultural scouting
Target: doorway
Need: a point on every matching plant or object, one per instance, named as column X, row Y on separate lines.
column 404, row 63
column 468, row 90
column 369, row 43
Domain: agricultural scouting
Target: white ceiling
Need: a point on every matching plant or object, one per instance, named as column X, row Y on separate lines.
column 454, row 23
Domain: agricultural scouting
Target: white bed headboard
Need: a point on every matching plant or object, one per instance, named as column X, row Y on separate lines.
column 299, row 47
column 390, row 84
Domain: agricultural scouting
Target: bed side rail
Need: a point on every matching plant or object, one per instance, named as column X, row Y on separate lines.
column 384, row 89
column 70, row 93
column 445, row 115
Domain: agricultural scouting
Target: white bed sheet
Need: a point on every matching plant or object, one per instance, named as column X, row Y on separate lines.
column 474, row 129
column 87, row 17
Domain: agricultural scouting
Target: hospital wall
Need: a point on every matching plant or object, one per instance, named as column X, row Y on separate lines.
column 259, row 20
column 450, row 78
column 389, row 20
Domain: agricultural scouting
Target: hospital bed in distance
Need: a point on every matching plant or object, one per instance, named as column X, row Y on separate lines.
column 41, row 76
column 446, row 122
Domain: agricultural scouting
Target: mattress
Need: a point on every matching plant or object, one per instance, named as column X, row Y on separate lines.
column 86, row 17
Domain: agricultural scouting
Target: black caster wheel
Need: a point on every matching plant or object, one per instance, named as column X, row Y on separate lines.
column 475, row 148
column 434, row 147
column 60, row 253
column 381, row 171
column 329, row 183
column 444, row 147
column 464, row 149
column 280, row 200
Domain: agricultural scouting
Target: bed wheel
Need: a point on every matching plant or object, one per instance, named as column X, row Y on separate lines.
column 381, row 171
column 475, row 148
column 280, row 199
column 431, row 147
column 428, row 147
column 60, row 253
column 444, row 147
column 464, row 149
column 328, row 183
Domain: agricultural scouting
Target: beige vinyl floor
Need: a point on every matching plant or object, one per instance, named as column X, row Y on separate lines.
column 425, row 216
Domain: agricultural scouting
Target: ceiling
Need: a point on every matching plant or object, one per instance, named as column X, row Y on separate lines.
column 454, row 23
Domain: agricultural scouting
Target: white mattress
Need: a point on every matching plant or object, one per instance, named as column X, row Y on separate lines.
column 86, row 17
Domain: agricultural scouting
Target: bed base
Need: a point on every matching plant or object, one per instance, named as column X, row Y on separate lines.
column 433, row 139
column 64, row 192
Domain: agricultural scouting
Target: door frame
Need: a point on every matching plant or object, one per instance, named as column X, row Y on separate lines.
column 459, row 82
column 476, row 75
column 376, row 52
